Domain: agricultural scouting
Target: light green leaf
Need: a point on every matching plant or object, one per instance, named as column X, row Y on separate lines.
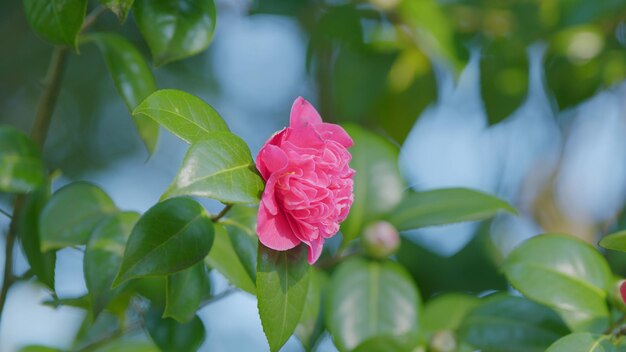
column 119, row 7
column 171, row 236
column 582, row 342
column 183, row 114
column 57, row 21
column 176, row 29
column 615, row 241
column 504, row 323
column 185, row 292
column 445, row 206
column 21, row 167
column 42, row 264
column 170, row 335
column 310, row 326
column 133, row 80
column 368, row 299
column 388, row 343
column 378, row 185
column 282, row 284
column 103, row 257
column 72, row 213
column 565, row 274
column 446, row 312
column 219, row 167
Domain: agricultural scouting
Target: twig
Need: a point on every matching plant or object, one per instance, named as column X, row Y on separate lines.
column 7, row 279
column 6, row 213
column 222, row 213
column 114, row 335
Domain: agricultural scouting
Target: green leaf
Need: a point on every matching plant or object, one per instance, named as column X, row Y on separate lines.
column 76, row 302
column 37, row 348
column 387, row 343
column 234, row 252
column 57, row 21
column 72, row 213
column 176, row 29
column 582, row 342
column 171, row 236
column 170, row 335
column 21, row 167
column 42, row 264
column 185, row 292
column 310, row 326
column 103, row 257
column 368, row 299
column 615, row 241
column 445, row 206
column 119, row 7
column 565, row 274
column 446, row 312
column 183, row 114
column 378, row 185
column 504, row 323
column 133, row 80
column 282, row 284
column 219, row 167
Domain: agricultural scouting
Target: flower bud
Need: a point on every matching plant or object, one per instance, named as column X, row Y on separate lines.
column 381, row 239
column 442, row 341
column 622, row 291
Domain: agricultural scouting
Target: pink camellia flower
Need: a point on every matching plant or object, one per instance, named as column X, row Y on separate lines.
column 308, row 189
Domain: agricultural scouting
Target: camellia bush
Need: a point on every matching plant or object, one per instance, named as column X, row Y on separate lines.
column 310, row 226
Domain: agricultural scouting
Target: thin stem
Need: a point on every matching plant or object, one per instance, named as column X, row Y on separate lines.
column 222, row 213
column 6, row 213
column 7, row 279
column 106, row 339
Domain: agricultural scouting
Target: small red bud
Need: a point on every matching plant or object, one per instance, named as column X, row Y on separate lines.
column 622, row 291
column 381, row 239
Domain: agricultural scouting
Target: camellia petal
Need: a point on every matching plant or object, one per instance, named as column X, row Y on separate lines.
column 303, row 114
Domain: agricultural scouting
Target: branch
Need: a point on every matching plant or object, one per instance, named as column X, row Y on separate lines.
column 6, row 213
column 222, row 213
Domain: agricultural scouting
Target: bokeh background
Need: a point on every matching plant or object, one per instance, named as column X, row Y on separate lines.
column 525, row 99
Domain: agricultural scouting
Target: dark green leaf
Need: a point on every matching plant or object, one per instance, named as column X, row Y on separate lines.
column 21, row 167
column 565, row 274
column 185, row 291
column 445, row 206
column 219, row 167
column 171, row 236
column 511, row 324
column 378, row 185
column 615, row 241
column 282, row 283
column 368, row 299
column 72, row 213
column 176, row 29
column 42, row 264
column 133, row 80
column 57, row 21
column 446, row 312
column 583, row 342
column 310, row 326
column 183, row 114
column 103, row 256
column 119, row 7
column 170, row 335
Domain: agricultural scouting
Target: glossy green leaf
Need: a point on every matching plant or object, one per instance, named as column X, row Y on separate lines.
column 133, row 80
column 565, row 274
column 445, row 206
column 504, row 323
column 219, row 167
column 378, row 185
column 21, row 167
column 185, row 292
column 583, row 342
column 57, row 21
column 103, row 257
column 170, row 335
column 282, row 284
column 615, row 241
column 234, row 252
column 176, row 29
column 42, row 264
column 171, row 236
column 72, row 213
column 368, row 299
column 119, row 7
column 310, row 326
column 183, row 114
column 446, row 312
